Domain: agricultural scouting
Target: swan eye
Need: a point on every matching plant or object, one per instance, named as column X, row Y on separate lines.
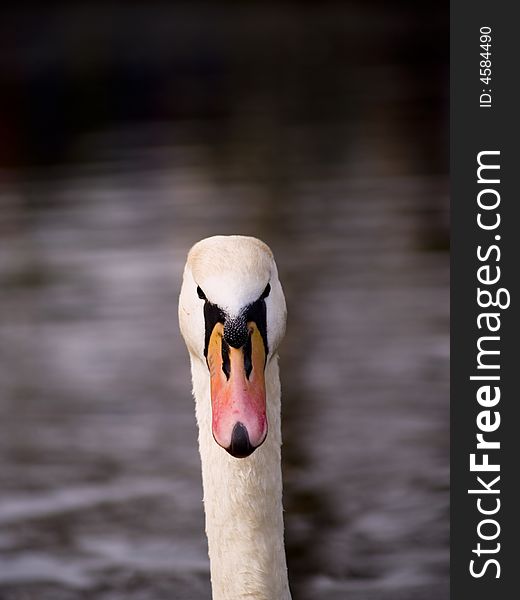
column 266, row 292
column 200, row 293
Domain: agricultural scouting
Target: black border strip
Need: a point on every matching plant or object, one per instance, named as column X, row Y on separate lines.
column 475, row 129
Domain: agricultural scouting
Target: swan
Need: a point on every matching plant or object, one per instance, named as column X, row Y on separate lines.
column 232, row 317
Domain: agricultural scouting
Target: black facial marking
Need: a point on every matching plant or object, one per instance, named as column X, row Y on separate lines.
column 200, row 293
column 257, row 312
column 212, row 316
column 226, row 365
column 236, row 332
column 248, row 363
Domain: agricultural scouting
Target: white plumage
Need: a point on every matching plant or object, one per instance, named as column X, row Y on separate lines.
column 242, row 496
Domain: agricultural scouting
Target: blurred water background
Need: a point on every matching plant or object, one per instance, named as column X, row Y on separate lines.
column 128, row 132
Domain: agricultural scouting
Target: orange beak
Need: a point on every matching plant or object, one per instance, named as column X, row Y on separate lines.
column 238, row 404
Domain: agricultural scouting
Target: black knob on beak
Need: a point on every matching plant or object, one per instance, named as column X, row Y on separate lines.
column 236, row 332
column 240, row 446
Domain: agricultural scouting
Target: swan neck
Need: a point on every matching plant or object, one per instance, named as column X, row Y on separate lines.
column 243, row 503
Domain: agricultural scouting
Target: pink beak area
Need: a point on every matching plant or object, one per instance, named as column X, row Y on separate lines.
column 239, row 420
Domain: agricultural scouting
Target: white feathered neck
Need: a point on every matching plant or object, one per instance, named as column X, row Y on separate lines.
column 243, row 504
column 242, row 496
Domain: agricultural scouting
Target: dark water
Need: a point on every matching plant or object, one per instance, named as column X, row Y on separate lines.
column 99, row 470
column 321, row 131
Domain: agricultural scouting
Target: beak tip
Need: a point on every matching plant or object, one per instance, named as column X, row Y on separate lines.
column 240, row 446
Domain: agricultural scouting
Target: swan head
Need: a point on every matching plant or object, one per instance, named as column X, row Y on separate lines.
column 232, row 317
